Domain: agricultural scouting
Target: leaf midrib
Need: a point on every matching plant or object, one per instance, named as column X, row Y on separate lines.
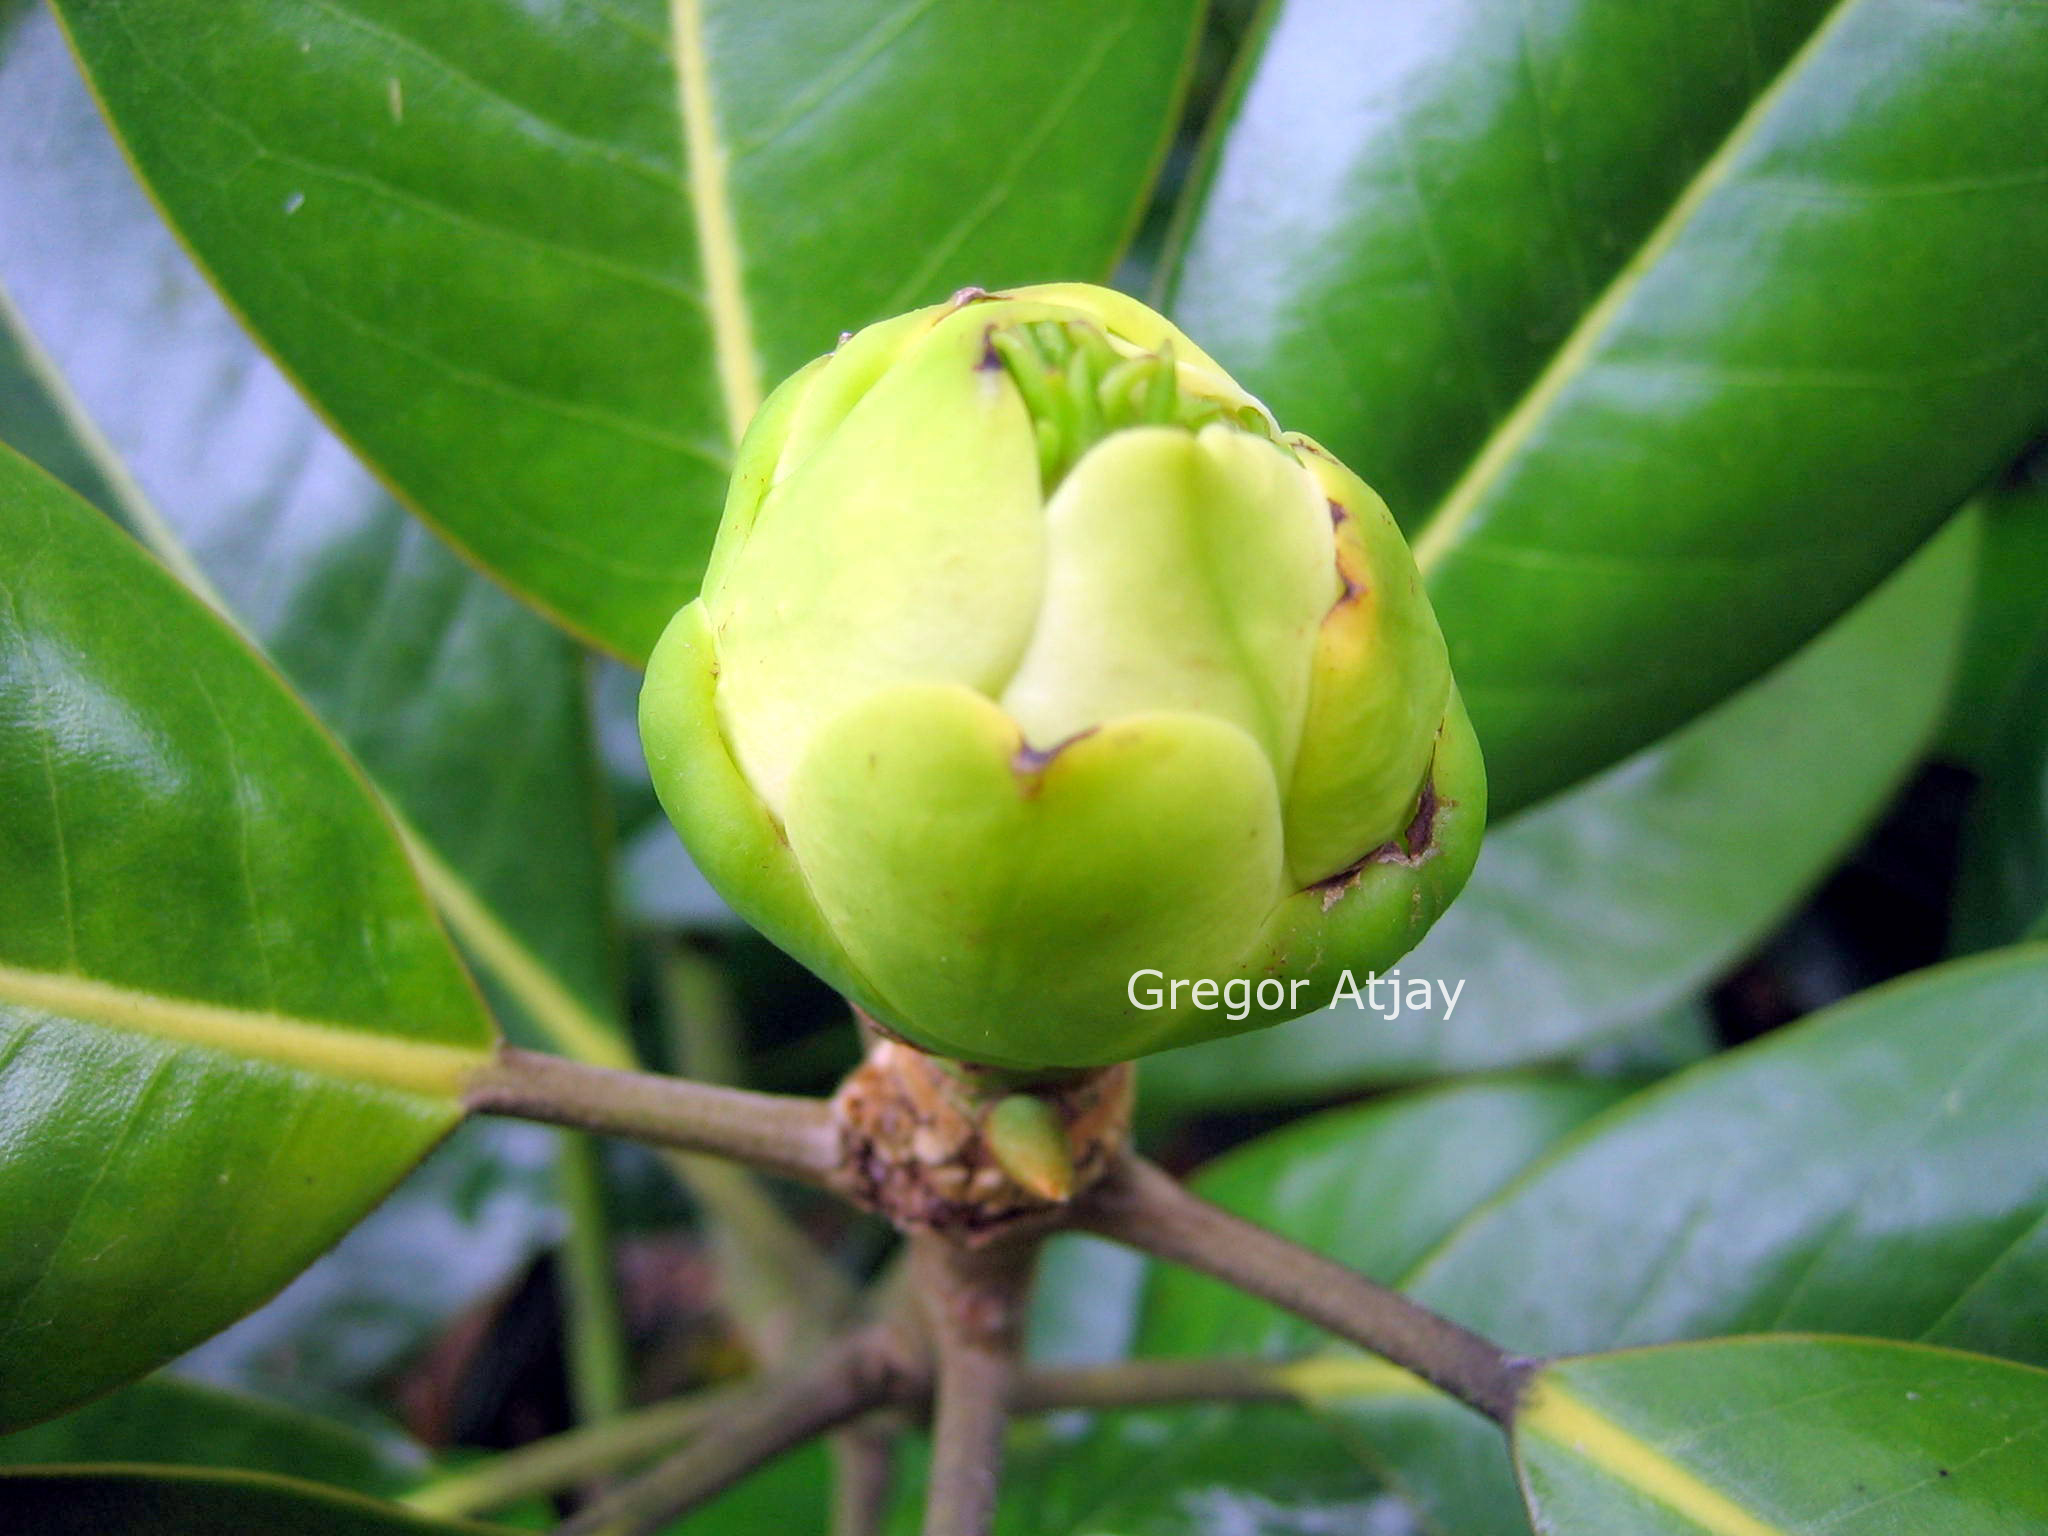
column 572, row 1025
column 718, row 249
column 325, row 1048
column 1582, row 1431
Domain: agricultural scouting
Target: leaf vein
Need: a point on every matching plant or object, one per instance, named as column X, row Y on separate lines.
column 655, row 172
column 1005, row 181
column 130, row 1119
column 2030, row 1224
column 325, row 1048
column 718, row 247
column 829, row 82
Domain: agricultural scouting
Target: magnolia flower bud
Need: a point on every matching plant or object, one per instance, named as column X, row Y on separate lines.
column 1033, row 655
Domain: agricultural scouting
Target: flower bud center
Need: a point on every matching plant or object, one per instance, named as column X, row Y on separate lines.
column 1078, row 388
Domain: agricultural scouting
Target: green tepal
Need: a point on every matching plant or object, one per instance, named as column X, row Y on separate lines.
column 1034, row 655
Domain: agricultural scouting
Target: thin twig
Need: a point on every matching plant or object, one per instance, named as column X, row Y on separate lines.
column 643, row 1433
column 780, row 1133
column 573, row 1457
column 863, row 1476
column 697, row 1008
column 781, row 1413
column 974, row 1301
column 1145, row 1208
column 600, row 1370
column 783, row 1293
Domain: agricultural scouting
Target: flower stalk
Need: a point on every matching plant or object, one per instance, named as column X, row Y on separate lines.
column 974, row 1304
column 777, row 1133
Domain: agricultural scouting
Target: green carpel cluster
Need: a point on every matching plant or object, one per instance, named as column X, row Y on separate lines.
column 1079, row 387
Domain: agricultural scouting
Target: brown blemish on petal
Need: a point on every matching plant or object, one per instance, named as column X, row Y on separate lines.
column 1030, row 763
column 1415, row 846
column 1418, row 843
column 1347, row 560
column 962, row 297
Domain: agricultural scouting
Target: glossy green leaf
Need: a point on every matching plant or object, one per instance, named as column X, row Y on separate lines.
column 134, row 372
column 461, row 1227
column 1669, row 329
column 539, row 262
column 1772, row 1436
column 166, row 1421
column 216, row 968
column 468, row 711
column 1878, row 1169
column 163, row 1501
column 1612, row 904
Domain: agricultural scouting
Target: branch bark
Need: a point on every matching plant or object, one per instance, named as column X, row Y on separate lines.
column 974, row 1301
column 780, row 1133
column 1143, row 1207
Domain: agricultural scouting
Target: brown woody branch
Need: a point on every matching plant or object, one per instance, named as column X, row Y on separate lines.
column 1142, row 1206
column 863, row 1475
column 974, row 1300
column 779, row 1133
